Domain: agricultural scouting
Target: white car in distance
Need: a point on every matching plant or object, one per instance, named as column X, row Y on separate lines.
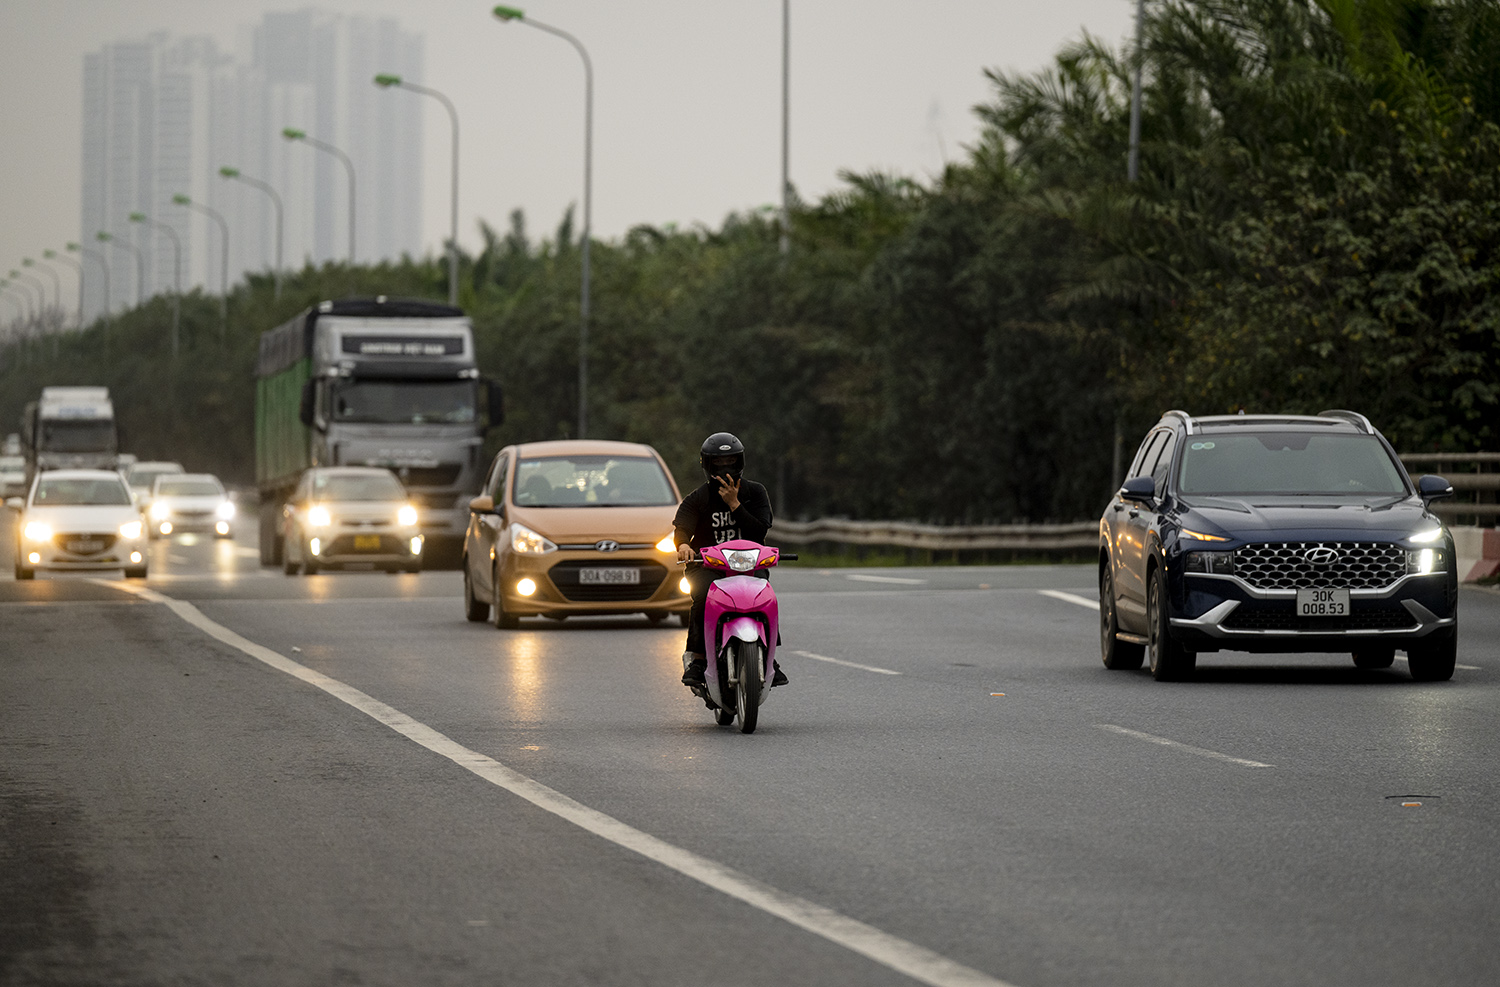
column 183, row 502
column 79, row 520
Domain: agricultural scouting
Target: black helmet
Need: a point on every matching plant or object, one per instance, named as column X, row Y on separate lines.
column 722, row 454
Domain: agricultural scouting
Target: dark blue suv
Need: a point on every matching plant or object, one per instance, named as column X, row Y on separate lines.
column 1275, row 533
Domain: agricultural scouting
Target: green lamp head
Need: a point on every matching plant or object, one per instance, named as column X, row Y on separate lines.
column 385, row 81
column 138, row 217
column 510, row 13
column 103, row 237
column 293, row 134
column 182, row 200
column 229, row 172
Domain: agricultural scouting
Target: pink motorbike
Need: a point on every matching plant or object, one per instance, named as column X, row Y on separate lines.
column 739, row 631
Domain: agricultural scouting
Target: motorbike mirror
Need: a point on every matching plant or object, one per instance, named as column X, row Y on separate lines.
column 1432, row 488
column 1139, row 488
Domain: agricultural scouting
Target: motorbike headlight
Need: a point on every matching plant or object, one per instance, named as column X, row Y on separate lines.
column 318, row 517
column 667, row 544
column 160, row 510
column 37, row 531
column 407, row 516
column 130, row 530
column 742, row 560
column 226, row 511
column 524, row 541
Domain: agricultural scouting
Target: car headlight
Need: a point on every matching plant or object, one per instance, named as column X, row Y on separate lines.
column 524, row 541
column 160, row 510
column 1220, row 563
column 742, row 560
column 1426, row 537
column 226, row 511
column 667, row 544
column 37, row 531
column 1421, row 561
column 130, row 530
column 407, row 516
column 318, row 517
column 1201, row 536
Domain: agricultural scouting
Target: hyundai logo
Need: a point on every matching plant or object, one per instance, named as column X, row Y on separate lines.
column 1322, row 555
column 606, row 546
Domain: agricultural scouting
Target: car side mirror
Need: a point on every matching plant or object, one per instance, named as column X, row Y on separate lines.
column 1431, row 488
column 1139, row 488
column 305, row 408
column 15, row 503
column 484, row 504
column 496, row 400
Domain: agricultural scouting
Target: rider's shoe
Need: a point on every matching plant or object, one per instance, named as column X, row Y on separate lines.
column 693, row 667
column 780, row 677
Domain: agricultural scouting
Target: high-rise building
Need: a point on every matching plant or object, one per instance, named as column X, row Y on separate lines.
column 161, row 116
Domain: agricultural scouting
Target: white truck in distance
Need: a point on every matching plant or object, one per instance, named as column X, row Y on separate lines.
column 70, row 428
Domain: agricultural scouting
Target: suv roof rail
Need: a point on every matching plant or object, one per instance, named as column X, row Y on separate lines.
column 1187, row 419
column 1352, row 417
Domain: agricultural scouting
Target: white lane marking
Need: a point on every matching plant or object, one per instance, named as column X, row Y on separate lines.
column 1467, row 668
column 247, row 553
column 904, row 957
column 846, row 664
column 179, row 559
column 862, row 578
column 1176, row 745
column 1082, row 601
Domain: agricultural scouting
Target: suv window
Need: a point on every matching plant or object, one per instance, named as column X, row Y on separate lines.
column 1146, row 456
column 1164, row 463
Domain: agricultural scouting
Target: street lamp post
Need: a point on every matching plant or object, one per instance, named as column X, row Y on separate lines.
column 217, row 217
column 56, row 297
column 140, row 217
column 104, row 236
column 515, row 14
column 103, row 263
column 388, row 81
column 293, row 134
column 15, row 283
column 34, row 284
column 56, row 257
column 1133, row 168
column 786, row 117
column 235, row 174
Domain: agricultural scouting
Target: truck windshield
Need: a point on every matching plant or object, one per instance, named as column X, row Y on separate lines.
column 1288, row 463
column 75, row 492
column 403, row 401
column 78, row 436
column 592, row 481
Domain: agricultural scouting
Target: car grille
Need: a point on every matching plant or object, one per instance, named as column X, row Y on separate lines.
column 1297, row 565
column 79, row 543
column 1384, row 615
column 564, row 576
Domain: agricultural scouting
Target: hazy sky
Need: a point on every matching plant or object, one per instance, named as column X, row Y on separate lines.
column 687, row 98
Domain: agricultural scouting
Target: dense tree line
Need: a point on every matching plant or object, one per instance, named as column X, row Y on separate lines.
column 1316, row 224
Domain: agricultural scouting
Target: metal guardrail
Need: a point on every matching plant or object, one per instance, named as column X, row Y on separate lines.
column 942, row 538
column 1480, row 484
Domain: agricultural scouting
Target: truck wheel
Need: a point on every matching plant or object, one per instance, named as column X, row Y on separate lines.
column 271, row 551
column 23, row 572
column 476, row 611
column 136, row 573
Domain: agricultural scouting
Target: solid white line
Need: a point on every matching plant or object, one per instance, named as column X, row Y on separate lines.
column 846, row 664
column 1082, row 601
column 1186, row 748
column 914, row 961
column 861, row 577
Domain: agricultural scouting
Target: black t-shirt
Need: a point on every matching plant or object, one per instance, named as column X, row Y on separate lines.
column 704, row 520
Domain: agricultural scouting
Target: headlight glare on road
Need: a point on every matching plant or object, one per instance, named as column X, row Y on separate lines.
column 130, row 530
column 407, row 516
column 37, row 531
column 226, row 511
column 1426, row 537
column 524, row 541
column 667, row 544
column 318, row 517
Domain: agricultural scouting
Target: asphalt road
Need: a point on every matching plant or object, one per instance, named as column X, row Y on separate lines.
column 338, row 780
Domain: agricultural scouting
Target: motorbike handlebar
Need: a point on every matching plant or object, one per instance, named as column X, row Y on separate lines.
column 698, row 559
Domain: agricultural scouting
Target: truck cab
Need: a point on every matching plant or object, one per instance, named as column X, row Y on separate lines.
column 70, row 428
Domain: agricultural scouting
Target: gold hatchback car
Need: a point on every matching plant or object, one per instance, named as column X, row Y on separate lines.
column 570, row 528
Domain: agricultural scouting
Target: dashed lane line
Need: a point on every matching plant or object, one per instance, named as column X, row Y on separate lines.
column 1081, row 601
column 861, row 577
column 1178, row 745
column 846, row 664
column 916, row 962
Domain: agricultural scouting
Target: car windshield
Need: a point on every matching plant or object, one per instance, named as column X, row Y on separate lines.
column 592, row 481
column 144, row 478
column 80, row 491
column 1288, row 463
column 78, row 436
column 368, row 486
column 406, row 402
column 189, row 488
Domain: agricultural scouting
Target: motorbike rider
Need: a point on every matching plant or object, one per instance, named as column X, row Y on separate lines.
column 724, row 507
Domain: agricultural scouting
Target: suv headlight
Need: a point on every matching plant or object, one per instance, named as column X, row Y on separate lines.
column 37, row 531
column 318, row 517
column 159, row 510
column 130, row 530
column 1218, row 563
column 407, row 516
column 1421, row 561
column 1425, row 537
column 226, row 511
column 524, row 541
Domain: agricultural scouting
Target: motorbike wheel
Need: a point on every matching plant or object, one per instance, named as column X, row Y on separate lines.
column 751, row 662
column 289, row 565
